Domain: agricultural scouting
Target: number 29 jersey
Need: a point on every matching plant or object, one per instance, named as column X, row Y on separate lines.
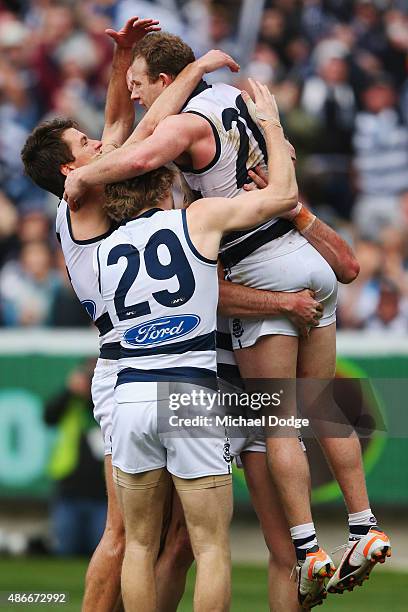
column 162, row 296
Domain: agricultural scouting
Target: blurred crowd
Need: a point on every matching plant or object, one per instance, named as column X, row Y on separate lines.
column 339, row 71
column 78, row 500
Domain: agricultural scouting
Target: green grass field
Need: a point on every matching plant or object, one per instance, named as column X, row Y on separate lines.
column 385, row 590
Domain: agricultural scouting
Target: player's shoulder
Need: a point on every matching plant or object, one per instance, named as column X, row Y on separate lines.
column 224, row 87
column 187, row 127
column 114, row 238
column 165, row 218
column 61, row 209
column 205, row 207
column 217, row 93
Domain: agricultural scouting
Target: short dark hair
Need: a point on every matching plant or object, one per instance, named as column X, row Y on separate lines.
column 163, row 52
column 126, row 199
column 45, row 151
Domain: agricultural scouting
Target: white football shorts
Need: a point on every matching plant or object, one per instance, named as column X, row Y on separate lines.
column 140, row 442
column 103, row 397
column 303, row 268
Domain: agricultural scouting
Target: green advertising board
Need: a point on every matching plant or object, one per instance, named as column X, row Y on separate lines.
column 34, row 367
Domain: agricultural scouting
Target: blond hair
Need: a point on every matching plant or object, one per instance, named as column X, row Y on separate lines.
column 126, row 199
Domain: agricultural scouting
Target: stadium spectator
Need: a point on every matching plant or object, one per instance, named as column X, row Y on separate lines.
column 78, row 508
column 391, row 314
column 381, row 158
column 28, row 286
column 8, row 227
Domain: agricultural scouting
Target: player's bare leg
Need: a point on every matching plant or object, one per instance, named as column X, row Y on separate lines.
column 317, row 360
column 275, row 357
column 141, row 497
column 208, row 513
column 102, row 582
column 367, row 544
column 174, row 560
column 282, row 559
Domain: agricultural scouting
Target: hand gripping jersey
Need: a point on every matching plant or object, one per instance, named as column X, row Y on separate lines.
column 162, row 297
column 78, row 256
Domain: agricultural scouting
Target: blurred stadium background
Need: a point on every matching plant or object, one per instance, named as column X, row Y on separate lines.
column 339, row 71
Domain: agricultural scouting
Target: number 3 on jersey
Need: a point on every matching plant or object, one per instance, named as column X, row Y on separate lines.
column 178, row 267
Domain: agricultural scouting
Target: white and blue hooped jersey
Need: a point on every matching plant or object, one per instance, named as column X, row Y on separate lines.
column 78, row 255
column 162, row 297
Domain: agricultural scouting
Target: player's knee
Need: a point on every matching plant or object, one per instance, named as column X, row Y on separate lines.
column 213, row 549
column 107, row 557
column 282, row 558
column 114, row 540
column 180, row 548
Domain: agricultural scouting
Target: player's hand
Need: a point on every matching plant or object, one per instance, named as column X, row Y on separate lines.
column 292, row 151
column 215, row 59
column 74, row 189
column 302, row 309
column 264, row 110
column 259, row 175
column 133, row 31
column 259, row 179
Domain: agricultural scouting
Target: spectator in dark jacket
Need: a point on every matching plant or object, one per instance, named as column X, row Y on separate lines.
column 78, row 507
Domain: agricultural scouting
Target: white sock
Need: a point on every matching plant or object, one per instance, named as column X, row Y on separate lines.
column 360, row 524
column 303, row 537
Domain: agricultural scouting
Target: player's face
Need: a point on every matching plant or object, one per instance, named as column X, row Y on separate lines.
column 83, row 149
column 141, row 89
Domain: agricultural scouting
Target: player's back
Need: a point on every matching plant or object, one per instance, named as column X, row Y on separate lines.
column 78, row 255
column 240, row 144
column 162, row 297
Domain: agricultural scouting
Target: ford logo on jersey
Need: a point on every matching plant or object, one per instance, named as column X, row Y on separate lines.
column 161, row 330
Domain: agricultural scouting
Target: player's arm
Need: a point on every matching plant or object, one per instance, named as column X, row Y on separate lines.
column 171, row 101
column 338, row 254
column 119, row 109
column 330, row 245
column 236, row 300
column 173, row 136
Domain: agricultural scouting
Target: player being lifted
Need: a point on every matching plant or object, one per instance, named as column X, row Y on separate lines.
column 217, row 142
column 160, row 266
column 51, row 151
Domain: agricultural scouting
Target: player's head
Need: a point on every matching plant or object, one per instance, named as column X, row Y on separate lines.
column 158, row 58
column 128, row 198
column 53, row 149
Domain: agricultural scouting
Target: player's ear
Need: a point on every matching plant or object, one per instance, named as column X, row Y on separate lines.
column 65, row 169
column 165, row 79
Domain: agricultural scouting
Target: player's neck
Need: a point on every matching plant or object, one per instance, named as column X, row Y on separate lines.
column 94, row 197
